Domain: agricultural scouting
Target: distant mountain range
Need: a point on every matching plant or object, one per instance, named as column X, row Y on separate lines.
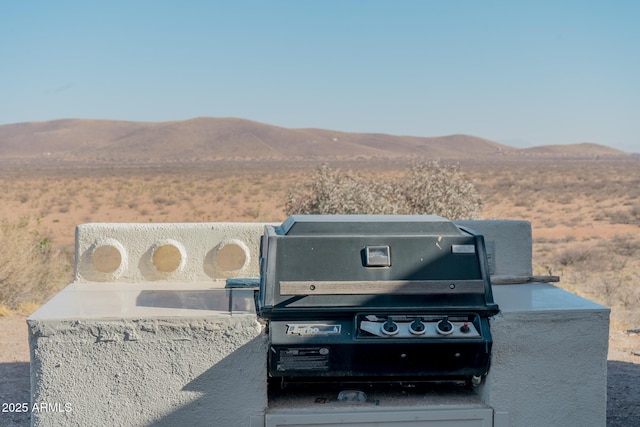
column 207, row 139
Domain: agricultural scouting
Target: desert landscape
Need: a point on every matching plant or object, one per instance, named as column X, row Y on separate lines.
column 583, row 202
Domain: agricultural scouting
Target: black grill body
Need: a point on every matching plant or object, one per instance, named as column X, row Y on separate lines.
column 375, row 297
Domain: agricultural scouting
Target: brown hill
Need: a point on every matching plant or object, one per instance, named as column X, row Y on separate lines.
column 570, row 150
column 204, row 139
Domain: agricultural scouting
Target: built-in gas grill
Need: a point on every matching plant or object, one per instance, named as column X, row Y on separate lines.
column 375, row 298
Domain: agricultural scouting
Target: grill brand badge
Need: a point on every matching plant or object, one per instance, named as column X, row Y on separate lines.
column 313, row 329
column 463, row 249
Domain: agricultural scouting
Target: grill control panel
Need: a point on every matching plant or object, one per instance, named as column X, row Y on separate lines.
column 416, row 326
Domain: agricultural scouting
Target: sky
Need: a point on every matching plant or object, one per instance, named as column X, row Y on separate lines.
column 524, row 73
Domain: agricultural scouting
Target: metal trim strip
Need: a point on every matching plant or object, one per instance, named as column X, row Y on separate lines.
column 395, row 287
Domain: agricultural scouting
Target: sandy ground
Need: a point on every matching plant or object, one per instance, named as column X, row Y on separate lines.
column 14, row 370
column 623, row 388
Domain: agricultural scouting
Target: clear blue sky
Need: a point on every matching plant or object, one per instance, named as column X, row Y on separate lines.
column 520, row 72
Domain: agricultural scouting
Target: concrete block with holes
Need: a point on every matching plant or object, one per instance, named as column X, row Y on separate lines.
column 147, row 333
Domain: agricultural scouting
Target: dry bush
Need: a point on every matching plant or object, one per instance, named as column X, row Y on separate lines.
column 629, row 216
column 441, row 190
column 31, row 270
column 576, row 256
column 426, row 188
column 336, row 192
column 605, row 270
column 625, row 245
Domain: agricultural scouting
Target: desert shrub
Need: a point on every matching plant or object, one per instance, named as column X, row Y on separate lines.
column 159, row 200
column 425, row 188
column 630, row 216
column 31, row 269
column 441, row 190
column 337, row 192
column 576, row 255
column 625, row 245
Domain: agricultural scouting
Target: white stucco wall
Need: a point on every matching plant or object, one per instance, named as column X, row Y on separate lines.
column 549, row 357
column 136, row 372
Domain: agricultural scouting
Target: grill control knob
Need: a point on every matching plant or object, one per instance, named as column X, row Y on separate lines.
column 465, row 328
column 389, row 327
column 444, row 327
column 417, row 327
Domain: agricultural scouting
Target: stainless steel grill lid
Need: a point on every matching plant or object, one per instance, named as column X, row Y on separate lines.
column 315, row 262
column 375, row 296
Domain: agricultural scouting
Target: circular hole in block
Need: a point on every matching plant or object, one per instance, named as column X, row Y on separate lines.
column 166, row 258
column 106, row 259
column 231, row 257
